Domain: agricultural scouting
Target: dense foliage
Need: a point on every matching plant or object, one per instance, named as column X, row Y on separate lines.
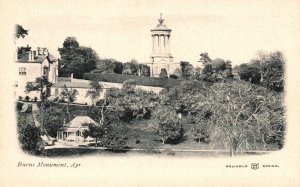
column 168, row 124
column 76, row 59
column 266, row 70
column 52, row 118
column 131, row 102
column 29, row 136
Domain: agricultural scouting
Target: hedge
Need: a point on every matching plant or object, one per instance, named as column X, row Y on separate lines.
column 140, row 80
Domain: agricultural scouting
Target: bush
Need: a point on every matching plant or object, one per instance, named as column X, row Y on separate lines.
column 27, row 98
column 20, row 98
column 19, row 106
column 30, row 139
column 140, row 80
column 163, row 73
column 114, row 142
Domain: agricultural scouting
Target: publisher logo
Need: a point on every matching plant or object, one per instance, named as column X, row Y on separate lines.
column 254, row 166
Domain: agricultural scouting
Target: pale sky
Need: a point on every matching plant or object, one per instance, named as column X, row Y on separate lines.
column 232, row 30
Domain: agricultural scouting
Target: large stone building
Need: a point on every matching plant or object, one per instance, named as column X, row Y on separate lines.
column 31, row 64
column 161, row 57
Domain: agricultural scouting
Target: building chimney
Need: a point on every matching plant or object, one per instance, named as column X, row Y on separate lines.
column 45, row 51
column 31, row 56
column 27, row 55
column 39, row 51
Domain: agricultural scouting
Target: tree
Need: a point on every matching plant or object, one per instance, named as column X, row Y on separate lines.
column 250, row 72
column 145, row 70
column 42, row 85
column 52, row 119
column 131, row 68
column 243, row 115
column 272, row 69
column 69, row 94
column 130, row 102
column 20, row 31
column 95, row 131
column 186, row 69
column 163, row 73
column 30, row 138
column 217, row 70
column 76, row 59
column 168, row 124
column 108, row 66
column 94, row 93
column 176, row 74
column 204, row 58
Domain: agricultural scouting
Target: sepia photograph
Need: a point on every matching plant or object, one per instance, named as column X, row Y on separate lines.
column 151, row 82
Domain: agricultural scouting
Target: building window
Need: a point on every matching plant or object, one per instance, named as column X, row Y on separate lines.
column 22, row 71
column 45, row 71
column 77, row 133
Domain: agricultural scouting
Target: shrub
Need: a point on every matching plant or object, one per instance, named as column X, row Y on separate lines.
column 20, row 98
column 19, row 106
column 114, row 142
column 30, row 139
column 163, row 73
column 27, row 98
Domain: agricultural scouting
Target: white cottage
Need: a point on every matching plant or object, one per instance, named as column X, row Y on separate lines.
column 72, row 131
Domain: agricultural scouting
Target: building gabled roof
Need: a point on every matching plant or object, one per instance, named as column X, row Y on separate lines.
column 78, row 122
column 37, row 59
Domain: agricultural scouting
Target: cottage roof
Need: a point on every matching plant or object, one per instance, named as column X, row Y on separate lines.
column 78, row 121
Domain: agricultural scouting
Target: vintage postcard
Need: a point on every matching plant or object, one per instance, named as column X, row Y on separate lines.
column 150, row 93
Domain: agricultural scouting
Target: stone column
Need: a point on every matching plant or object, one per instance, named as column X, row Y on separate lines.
column 165, row 44
column 168, row 44
column 159, row 44
column 153, row 44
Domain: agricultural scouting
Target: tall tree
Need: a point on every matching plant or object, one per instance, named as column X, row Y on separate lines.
column 186, row 69
column 131, row 67
column 94, row 93
column 76, row 59
column 69, row 94
column 272, row 69
column 243, row 115
column 168, row 125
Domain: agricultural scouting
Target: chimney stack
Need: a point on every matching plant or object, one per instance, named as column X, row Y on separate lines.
column 45, row 51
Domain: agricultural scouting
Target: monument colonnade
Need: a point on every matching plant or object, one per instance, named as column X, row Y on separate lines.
column 161, row 43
